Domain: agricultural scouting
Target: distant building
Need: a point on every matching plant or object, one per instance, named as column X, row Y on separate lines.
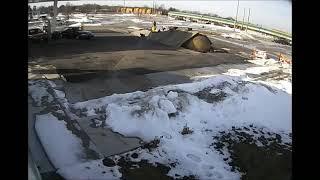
column 139, row 10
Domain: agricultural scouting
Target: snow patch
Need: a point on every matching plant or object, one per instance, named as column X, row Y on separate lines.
column 62, row 147
column 134, row 27
column 232, row 35
column 136, row 20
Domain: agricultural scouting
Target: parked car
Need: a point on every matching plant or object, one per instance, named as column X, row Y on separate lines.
column 70, row 33
column 282, row 41
column 75, row 33
column 37, row 35
column 56, row 35
column 84, row 35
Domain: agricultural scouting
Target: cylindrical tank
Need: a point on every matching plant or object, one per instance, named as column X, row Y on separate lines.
column 199, row 43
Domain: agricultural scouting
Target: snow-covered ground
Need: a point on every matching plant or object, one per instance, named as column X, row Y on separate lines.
column 147, row 115
column 232, row 35
column 206, row 106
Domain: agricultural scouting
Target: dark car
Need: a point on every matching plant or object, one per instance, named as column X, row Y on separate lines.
column 70, row 33
column 37, row 35
column 84, row 35
column 56, row 35
column 75, row 33
column 282, row 41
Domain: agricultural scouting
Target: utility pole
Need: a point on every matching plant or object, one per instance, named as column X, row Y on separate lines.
column 55, row 12
column 248, row 20
column 244, row 14
column 235, row 22
column 124, row 3
column 52, row 24
column 153, row 4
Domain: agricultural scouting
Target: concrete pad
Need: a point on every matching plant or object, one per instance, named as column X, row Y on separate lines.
column 97, row 88
column 100, row 87
column 191, row 73
column 108, row 143
column 166, row 78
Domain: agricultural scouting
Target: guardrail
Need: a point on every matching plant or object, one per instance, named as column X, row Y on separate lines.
column 253, row 27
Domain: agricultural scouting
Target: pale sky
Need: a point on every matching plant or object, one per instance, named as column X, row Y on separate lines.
column 269, row 13
column 275, row 14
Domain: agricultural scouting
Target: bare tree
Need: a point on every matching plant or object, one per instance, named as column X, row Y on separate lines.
column 29, row 12
column 68, row 10
column 161, row 7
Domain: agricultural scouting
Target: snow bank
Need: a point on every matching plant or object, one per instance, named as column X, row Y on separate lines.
column 149, row 115
column 38, row 92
